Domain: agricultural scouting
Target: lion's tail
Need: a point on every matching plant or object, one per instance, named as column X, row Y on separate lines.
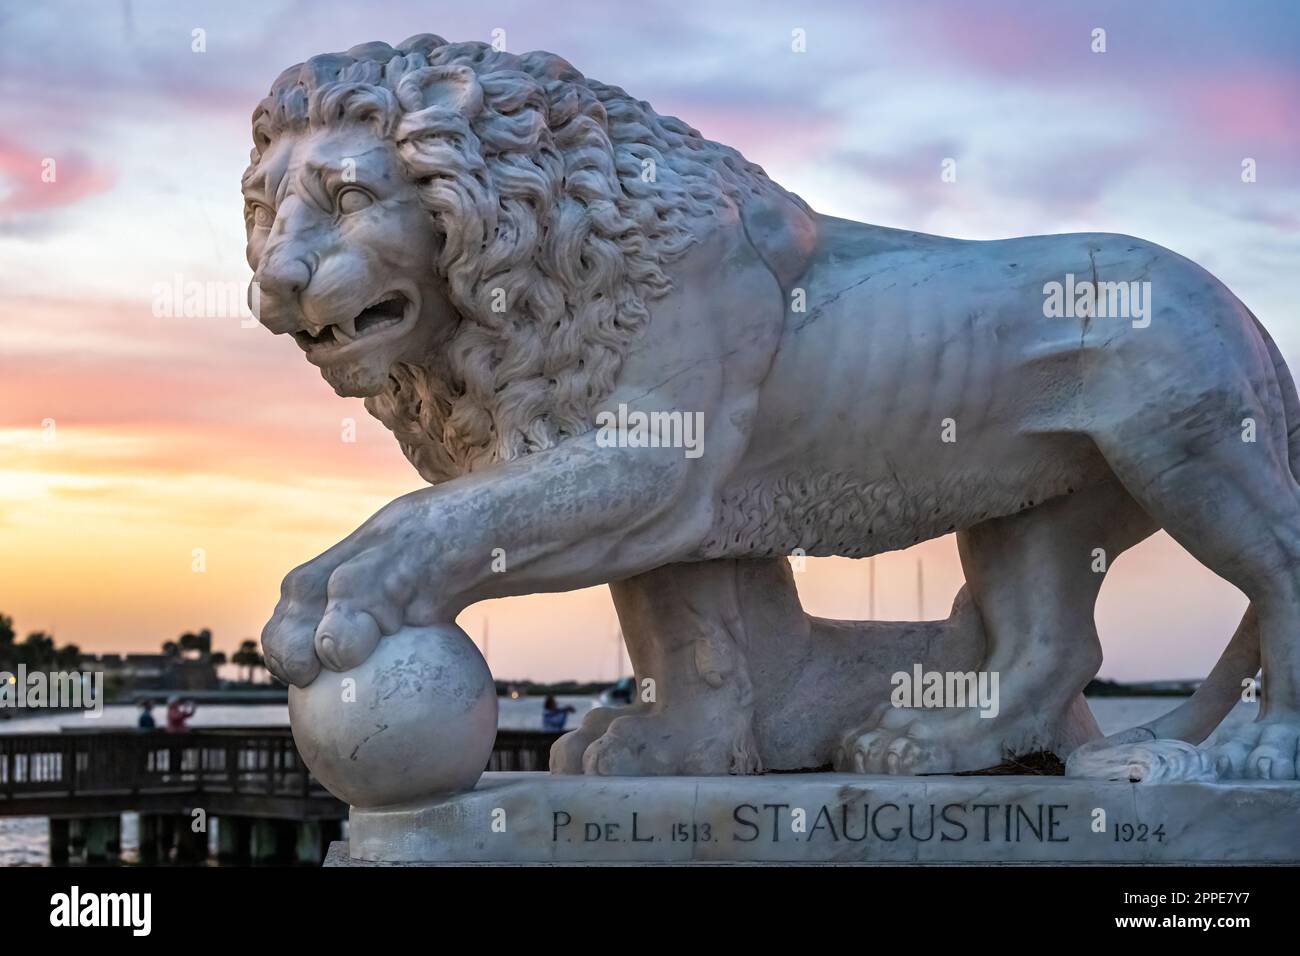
column 1197, row 716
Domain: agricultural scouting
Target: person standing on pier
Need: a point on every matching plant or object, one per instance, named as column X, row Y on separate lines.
column 178, row 713
column 554, row 716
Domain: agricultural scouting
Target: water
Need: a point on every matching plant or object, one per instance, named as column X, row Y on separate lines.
column 522, row 714
column 126, row 715
column 24, row 841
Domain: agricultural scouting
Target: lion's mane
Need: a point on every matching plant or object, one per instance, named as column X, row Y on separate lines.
column 560, row 201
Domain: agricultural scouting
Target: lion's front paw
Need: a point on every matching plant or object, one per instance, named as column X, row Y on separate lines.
column 333, row 611
column 289, row 638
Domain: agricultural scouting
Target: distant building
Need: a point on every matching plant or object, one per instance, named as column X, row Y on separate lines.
column 162, row 672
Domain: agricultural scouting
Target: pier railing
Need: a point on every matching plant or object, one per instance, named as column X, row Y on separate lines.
column 255, row 771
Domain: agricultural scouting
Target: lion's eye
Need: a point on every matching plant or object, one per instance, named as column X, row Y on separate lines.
column 261, row 215
column 353, row 200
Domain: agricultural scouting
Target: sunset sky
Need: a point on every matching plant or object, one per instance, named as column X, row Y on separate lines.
column 127, row 441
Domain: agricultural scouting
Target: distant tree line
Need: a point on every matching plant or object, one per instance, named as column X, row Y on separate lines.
column 1101, row 687
column 564, row 688
column 38, row 651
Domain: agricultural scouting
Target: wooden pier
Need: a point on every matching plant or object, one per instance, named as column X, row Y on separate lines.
column 253, row 781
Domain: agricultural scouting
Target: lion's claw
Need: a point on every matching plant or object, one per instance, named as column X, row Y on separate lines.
column 288, row 651
column 346, row 638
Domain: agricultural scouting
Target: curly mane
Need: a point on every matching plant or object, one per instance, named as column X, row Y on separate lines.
column 555, row 235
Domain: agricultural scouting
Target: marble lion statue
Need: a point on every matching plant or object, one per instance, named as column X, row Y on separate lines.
column 518, row 268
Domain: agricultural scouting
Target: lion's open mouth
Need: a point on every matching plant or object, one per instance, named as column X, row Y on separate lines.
column 386, row 313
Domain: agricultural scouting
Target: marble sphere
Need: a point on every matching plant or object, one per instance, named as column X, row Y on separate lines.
column 416, row 718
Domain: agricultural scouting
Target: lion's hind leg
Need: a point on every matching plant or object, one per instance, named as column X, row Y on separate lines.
column 1164, row 749
column 1227, row 494
column 1033, row 580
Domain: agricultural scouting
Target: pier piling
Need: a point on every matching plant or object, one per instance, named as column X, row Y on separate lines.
column 103, row 838
column 234, row 840
column 191, row 846
column 149, row 838
column 60, row 835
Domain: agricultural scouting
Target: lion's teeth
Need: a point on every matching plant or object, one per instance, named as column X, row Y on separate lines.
column 345, row 331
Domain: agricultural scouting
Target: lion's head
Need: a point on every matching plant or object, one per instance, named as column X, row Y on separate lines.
column 468, row 238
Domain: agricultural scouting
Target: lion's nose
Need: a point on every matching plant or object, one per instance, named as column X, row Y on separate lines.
column 273, row 295
column 283, row 278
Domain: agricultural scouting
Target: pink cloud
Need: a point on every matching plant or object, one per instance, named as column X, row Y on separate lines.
column 34, row 182
column 762, row 137
column 1262, row 104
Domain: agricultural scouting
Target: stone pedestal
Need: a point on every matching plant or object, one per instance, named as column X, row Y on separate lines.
column 834, row 818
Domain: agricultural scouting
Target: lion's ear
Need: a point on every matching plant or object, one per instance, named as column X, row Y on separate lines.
column 448, row 87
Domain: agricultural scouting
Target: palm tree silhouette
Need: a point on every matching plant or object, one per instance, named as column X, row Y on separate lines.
column 247, row 656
